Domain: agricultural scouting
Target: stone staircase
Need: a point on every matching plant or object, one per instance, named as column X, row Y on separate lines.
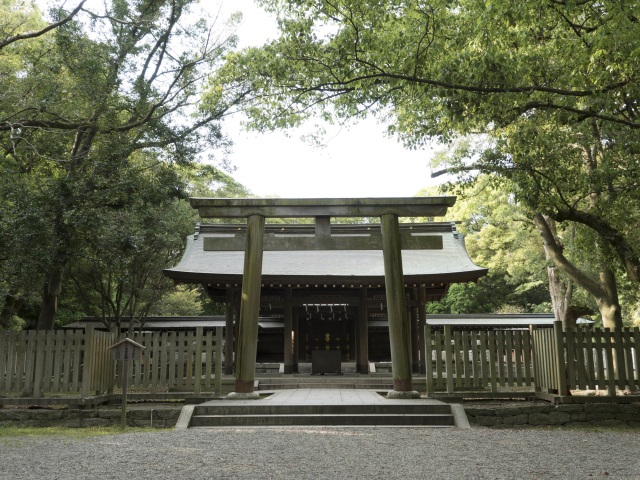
column 382, row 383
column 322, row 415
column 330, row 400
column 269, row 377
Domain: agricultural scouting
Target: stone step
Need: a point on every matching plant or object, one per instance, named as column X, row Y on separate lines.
column 328, row 379
column 427, row 419
column 367, row 386
column 340, row 409
column 325, row 378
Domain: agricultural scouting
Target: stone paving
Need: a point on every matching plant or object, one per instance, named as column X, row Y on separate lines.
column 325, row 396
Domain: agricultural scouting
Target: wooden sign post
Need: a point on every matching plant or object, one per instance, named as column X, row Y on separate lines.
column 124, row 351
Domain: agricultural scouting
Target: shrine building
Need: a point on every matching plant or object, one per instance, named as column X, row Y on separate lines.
column 292, row 290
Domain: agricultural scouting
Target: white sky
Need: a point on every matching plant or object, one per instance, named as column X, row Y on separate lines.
column 358, row 161
column 355, row 162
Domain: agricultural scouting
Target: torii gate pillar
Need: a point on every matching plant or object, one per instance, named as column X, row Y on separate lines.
column 399, row 327
column 249, row 311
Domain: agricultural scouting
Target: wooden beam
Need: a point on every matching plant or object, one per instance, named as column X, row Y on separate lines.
column 279, row 243
column 323, row 227
column 318, row 207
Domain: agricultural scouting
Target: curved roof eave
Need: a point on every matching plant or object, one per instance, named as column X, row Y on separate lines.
column 451, row 264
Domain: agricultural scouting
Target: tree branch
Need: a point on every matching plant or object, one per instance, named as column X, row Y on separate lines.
column 554, row 253
column 623, row 250
column 48, row 28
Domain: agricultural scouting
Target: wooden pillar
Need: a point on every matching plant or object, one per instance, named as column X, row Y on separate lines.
column 249, row 310
column 295, row 353
column 415, row 346
column 422, row 321
column 288, row 331
column 228, row 333
column 299, row 342
column 399, row 330
column 236, row 312
column 362, row 334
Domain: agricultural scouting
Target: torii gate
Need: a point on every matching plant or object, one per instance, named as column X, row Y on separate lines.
column 388, row 209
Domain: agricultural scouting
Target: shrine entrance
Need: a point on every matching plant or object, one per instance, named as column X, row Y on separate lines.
column 292, row 289
column 328, row 327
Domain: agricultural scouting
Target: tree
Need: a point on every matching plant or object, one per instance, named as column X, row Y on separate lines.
column 500, row 237
column 84, row 97
column 551, row 85
column 117, row 269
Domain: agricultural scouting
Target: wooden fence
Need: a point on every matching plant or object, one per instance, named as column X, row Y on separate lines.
column 475, row 360
column 64, row 361
column 171, row 361
column 33, row 363
column 547, row 359
column 579, row 359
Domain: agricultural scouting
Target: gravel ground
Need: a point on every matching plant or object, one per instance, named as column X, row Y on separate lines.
column 319, row 453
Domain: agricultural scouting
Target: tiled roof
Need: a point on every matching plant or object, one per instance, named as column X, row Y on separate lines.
column 449, row 264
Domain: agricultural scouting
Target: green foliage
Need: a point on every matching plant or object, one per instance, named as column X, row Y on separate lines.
column 549, row 88
column 97, row 117
column 443, row 68
column 630, row 301
column 181, row 301
column 498, row 236
column 463, row 298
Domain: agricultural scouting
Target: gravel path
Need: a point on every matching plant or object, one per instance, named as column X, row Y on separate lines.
column 319, row 453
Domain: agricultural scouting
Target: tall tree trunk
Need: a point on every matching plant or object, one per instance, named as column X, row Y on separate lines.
column 603, row 290
column 560, row 290
column 53, row 279
column 50, row 296
column 609, row 304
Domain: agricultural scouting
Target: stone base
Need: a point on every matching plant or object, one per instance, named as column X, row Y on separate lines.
column 243, row 396
column 399, row 395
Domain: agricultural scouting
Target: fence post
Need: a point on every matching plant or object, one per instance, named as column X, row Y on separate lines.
column 87, row 363
column 618, row 355
column 217, row 386
column 113, row 338
column 610, row 353
column 198, row 366
column 448, row 357
column 559, row 354
column 428, row 362
column 41, row 339
column 534, row 359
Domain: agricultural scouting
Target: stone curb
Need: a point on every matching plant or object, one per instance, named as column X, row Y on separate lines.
column 581, row 414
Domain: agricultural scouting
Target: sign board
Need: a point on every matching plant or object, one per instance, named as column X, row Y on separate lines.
column 127, row 349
